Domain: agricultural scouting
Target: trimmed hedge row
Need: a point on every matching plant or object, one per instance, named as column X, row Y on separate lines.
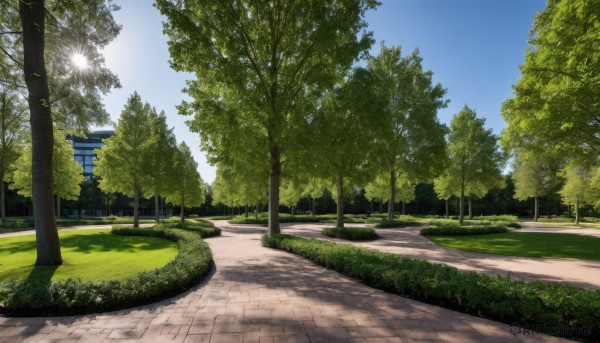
column 499, row 298
column 463, row 230
column 37, row 298
column 204, row 230
column 351, row 233
column 396, row 223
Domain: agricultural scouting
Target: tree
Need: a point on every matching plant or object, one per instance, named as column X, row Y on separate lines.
column 120, row 165
column 475, row 158
column 595, row 189
column 343, row 133
column 411, row 142
column 259, row 65
column 535, row 175
column 186, row 188
column 445, row 188
column 67, row 173
column 13, row 122
column 576, row 190
column 555, row 101
column 379, row 190
column 72, row 27
column 158, row 158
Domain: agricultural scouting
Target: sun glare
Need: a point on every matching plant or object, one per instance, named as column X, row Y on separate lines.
column 79, row 60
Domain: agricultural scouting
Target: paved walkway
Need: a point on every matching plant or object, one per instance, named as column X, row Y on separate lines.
column 263, row 295
column 408, row 242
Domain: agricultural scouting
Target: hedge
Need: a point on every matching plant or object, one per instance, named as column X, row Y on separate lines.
column 39, row 298
column 504, row 299
column 463, row 230
column 396, row 223
column 282, row 219
column 350, row 233
column 205, row 230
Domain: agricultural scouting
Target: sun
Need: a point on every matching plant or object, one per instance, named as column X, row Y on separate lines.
column 79, row 60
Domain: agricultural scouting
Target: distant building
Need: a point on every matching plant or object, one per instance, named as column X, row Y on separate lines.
column 84, row 150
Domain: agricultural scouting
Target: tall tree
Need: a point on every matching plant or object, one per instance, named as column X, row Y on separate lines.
column 476, row 161
column 343, row 134
column 535, row 176
column 379, row 190
column 158, row 158
column 445, row 187
column 13, row 122
column 576, row 190
column 555, row 101
column 411, row 141
column 73, row 28
column 67, row 173
column 258, row 65
column 121, row 164
column 186, row 188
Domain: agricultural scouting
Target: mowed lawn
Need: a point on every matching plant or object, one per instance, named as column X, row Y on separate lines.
column 89, row 255
column 527, row 244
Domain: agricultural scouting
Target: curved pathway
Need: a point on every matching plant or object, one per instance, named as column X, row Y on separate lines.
column 262, row 295
column 408, row 242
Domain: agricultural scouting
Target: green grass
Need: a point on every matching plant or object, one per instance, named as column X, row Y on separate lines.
column 20, row 223
column 91, row 255
column 526, row 244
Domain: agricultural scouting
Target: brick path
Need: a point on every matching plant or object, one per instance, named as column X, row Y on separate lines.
column 263, row 295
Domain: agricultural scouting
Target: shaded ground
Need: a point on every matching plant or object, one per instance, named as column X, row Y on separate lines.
column 263, row 295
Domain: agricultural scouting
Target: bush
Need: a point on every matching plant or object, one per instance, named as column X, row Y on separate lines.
column 499, row 298
column 282, row 219
column 397, row 223
column 351, row 233
column 111, row 217
column 204, row 230
column 463, row 230
column 38, row 298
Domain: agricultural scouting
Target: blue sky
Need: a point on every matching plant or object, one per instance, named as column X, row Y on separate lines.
column 473, row 47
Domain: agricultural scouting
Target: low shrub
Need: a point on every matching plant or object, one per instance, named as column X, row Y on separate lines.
column 396, row 223
column 38, row 298
column 504, row 299
column 204, row 230
column 350, row 233
column 463, row 230
column 500, row 218
column 204, row 222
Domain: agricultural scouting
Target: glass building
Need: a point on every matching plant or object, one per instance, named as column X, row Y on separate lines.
column 84, row 150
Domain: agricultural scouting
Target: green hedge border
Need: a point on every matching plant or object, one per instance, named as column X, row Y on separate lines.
column 70, row 297
column 396, row 223
column 551, row 305
column 351, row 233
column 463, row 230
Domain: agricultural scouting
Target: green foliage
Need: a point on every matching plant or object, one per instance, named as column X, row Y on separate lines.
column 498, row 298
column 526, row 244
column 36, row 297
column 203, row 229
column 186, row 188
column 457, row 230
column 67, row 173
column 351, row 233
column 535, row 174
column 397, row 223
column 13, row 123
column 577, row 190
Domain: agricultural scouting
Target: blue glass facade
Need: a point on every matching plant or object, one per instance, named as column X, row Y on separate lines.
column 84, row 150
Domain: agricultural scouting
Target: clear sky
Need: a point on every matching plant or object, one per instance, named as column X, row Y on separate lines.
column 473, row 47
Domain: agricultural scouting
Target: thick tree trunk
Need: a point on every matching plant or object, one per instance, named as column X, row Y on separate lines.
column 57, row 206
column 156, row 208
column 32, row 21
column 274, row 181
column 447, row 209
column 392, row 199
column 536, row 209
column 577, row 211
column 340, row 202
column 2, row 200
column 461, row 211
column 136, row 205
column 470, row 208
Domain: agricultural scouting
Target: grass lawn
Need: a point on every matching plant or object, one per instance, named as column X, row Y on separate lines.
column 527, row 244
column 90, row 255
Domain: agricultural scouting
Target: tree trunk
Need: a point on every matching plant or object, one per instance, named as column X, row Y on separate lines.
column 536, row 209
column 156, row 208
column 314, row 205
column 256, row 211
column 461, row 211
column 577, row 211
column 392, row 199
column 136, row 204
column 57, row 206
column 403, row 207
column 182, row 213
column 2, row 200
column 372, row 204
column 568, row 211
column 340, row 202
column 470, row 209
column 447, row 209
column 274, row 180
column 246, row 211
column 32, row 14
